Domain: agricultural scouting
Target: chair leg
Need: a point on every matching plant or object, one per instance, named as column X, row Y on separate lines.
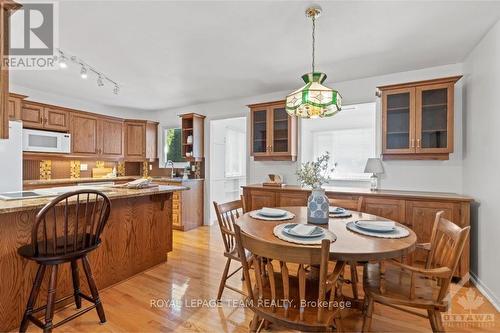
column 436, row 321
column 367, row 319
column 223, row 279
column 255, row 323
column 93, row 289
column 354, row 279
column 51, row 299
column 76, row 284
column 32, row 299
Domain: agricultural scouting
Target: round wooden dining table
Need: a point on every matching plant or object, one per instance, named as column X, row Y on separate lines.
column 349, row 245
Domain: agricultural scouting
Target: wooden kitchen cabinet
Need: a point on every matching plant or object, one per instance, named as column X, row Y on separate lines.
column 6, row 9
column 418, row 119
column 192, row 125
column 111, row 138
column 42, row 116
column 187, row 206
column 140, row 140
column 84, row 134
column 273, row 132
column 291, row 199
column 15, row 105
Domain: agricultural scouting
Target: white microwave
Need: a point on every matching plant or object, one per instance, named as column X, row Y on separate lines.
column 46, row 141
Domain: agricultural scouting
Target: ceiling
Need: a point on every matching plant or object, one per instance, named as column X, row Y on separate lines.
column 167, row 54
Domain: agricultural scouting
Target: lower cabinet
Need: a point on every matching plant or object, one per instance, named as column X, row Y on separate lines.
column 187, row 206
column 418, row 213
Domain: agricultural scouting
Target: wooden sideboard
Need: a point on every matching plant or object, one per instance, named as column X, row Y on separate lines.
column 417, row 210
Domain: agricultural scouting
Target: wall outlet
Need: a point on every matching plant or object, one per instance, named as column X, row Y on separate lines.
column 84, row 167
column 150, row 167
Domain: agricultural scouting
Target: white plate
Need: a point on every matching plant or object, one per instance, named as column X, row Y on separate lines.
column 336, row 210
column 271, row 212
column 316, row 233
column 377, row 226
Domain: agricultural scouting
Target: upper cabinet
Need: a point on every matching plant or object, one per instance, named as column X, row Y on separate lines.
column 192, row 126
column 273, row 132
column 95, row 136
column 6, row 8
column 42, row 116
column 417, row 119
column 140, row 140
column 15, row 105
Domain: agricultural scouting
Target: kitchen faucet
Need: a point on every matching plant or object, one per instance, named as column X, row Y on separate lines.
column 171, row 164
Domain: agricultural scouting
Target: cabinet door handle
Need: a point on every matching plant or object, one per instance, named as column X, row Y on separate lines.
column 418, row 143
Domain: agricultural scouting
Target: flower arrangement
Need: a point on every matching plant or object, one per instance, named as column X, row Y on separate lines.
column 315, row 174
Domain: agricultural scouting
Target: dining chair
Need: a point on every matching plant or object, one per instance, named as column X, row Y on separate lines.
column 399, row 285
column 355, row 205
column 227, row 213
column 286, row 299
column 66, row 230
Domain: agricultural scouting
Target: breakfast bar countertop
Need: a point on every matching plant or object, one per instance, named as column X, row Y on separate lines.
column 36, row 182
column 115, row 193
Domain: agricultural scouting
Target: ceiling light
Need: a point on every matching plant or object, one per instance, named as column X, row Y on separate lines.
column 83, row 73
column 100, row 82
column 313, row 100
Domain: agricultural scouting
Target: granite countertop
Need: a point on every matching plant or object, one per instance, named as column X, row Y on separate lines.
column 114, row 193
column 368, row 192
column 76, row 180
column 174, row 179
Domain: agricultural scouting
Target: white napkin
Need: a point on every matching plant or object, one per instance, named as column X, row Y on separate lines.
column 303, row 229
column 272, row 211
column 379, row 224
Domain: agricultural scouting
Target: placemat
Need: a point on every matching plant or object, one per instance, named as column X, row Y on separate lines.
column 399, row 232
column 255, row 214
column 278, row 232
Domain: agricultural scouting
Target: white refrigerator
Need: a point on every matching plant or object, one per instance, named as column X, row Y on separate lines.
column 11, row 159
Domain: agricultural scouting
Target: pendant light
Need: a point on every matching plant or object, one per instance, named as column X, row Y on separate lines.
column 313, row 100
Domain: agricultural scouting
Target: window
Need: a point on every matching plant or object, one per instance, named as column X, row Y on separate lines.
column 349, row 137
column 172, row 141
column 234, row 154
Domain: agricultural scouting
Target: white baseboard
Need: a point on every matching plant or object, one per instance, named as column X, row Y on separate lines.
column 485, row 291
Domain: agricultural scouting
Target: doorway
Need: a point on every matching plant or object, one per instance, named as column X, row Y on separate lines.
column 228, row 160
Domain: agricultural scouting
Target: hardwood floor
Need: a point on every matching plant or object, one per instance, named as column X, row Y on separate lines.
column 192, row 273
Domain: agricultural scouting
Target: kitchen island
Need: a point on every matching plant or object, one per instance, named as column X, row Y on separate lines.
column 138, row 236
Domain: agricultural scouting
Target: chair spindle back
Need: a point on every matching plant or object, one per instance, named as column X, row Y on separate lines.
column 227, row 213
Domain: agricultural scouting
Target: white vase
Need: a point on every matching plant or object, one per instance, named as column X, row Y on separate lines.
column 317, row 207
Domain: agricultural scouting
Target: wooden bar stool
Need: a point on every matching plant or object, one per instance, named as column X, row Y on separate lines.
column 65, row 231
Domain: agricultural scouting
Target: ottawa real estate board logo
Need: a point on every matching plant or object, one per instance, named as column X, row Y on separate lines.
column 469, row 313
column 33, row 36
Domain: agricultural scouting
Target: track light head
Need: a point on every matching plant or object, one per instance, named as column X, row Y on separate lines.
column 116, row 89
column 100, row 81
column 83, row 73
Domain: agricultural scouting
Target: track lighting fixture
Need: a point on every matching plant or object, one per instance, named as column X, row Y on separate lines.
column 65, row 59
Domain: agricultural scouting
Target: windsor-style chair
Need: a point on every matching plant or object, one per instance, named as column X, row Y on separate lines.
column 227, row 213
column 65, row 230
column 398, row 285
column 286, row 299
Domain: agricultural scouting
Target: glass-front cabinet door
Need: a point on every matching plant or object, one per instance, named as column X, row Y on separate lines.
column 398, row 114
column 280, row 130
column 434, row 121
column 260, row 144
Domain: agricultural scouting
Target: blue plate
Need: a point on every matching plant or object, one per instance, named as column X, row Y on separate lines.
column 318, row 232
column 374, row 229
column 336, row 210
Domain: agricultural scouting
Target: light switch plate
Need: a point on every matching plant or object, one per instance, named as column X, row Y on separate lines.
column 150, row 167
column 84, row 167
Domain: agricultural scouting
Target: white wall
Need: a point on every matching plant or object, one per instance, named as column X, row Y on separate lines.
column 415, row 175
column 73, row 103
column 482, row 158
